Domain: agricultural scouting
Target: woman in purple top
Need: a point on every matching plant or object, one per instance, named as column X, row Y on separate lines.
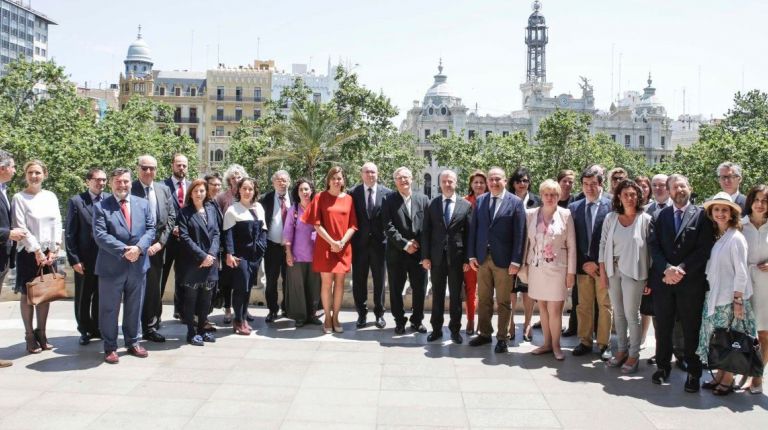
column 302, row 286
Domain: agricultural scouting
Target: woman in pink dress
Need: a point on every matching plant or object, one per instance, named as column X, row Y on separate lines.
column 332, row 212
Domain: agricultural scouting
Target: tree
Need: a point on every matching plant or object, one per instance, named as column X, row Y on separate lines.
column 395, row 150
column 466, row 155
column 247, row 146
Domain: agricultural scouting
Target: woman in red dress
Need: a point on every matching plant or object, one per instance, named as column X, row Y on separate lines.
column 332, row 212
column 477, row 186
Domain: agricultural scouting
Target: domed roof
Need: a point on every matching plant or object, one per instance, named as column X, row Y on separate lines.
column 440, row 88
column 536, row 18
column 139, row 50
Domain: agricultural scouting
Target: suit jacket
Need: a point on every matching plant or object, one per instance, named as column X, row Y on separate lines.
column 653, row 208
column 588, row 251
column 689, row 248
column 368, row 229
column 563, row 241
column 7, row 250
column 401, row 228
column 453, row 239
column 78, row 234
column 168, row 182
column 199, row 238
column 505, row 235
column 165, row 218
column 112, row 237
column 268, row 203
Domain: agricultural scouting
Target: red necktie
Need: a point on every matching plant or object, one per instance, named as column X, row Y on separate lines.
column 124, row 210
column 283, row 207
column 180, row 194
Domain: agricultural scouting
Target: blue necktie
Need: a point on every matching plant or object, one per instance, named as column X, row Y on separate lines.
column 678, row 220
column 447, row 213
column 589, row 224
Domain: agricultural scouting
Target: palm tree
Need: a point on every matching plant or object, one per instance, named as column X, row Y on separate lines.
column 311, row 139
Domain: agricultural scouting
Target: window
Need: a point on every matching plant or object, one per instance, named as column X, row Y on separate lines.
column 177, row 115
column 488, row 133
column 238, row 114
column 193, row 91
column 220, row 131
column 613, row 137
column 256, row 114
column 192, row 115
column 505, row 133
column 428, row 156
column 177, row 91
column 641, row 142
column 193, row 133
column 162, row 91
column 316, row 98
column 663, row 142
column 220, row 93
column 627, row 140
column 257, row 94
column 218, row 155
column 444, row 132
column 471, row 134
column 37, row 50
column 426, row 134
column 239, row 94
column 220, row 114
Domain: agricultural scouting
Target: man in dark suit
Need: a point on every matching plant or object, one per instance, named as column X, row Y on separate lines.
column 729, row 177
column 403, row 215
column 444, row 238
column 178, row 184
column 81, row 253
column 124, row 228
column 275, row 204
column 369, row 245
column 8, row 235
column 161, row 205
column 496, row 241
column 588, row 215
column 680, row 242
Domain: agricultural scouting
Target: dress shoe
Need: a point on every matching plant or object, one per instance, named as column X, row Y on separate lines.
column 362, row 320
column 85, row 339
column 208, row 327
column 480, row 340
column 630, row 368
column 380, row 322
column 298, row 323
column 456, row 338
column 138, row 351
column 419, row 328
column 605, row 353
column 195, row 340
column 271, row 317
column 720, row 390
column 315, row 321
column 209, row 337
column 177, row 315
column 568, row 332
column 97, row 334
column 435, row 335
column 338, row 328
column 651, row 361
column 153, row 336
column 501, row 347
column 660, row 376
column 111, row 357
column 9, row 363
column 399, row 329
column 582, row 349
column 692, row 384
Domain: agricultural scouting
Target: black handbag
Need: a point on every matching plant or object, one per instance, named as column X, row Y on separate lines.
column 734, row 351
column 646, row 305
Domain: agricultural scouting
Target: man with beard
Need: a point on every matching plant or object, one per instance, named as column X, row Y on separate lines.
column 178, row 185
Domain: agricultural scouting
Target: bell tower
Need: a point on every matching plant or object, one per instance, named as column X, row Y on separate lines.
column 536, row 38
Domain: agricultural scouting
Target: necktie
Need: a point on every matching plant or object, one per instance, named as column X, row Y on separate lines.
column 493, row 208
column 589, row 224
column 3, row 195
column 97, row 199
column 678, row 220
column 661, row 205
column 283, row 207
column 180, row 194
column 370, row 203
column 447, row 212
column 150, row 193
column 124, row 210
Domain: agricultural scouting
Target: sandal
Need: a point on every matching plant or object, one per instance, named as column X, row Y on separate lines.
column 617, row 362
column 42, row 339
column 32, row 346
column 723, row 390
column 710, row 385
column 527, row 335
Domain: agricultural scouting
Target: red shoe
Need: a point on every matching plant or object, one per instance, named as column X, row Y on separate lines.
column 138, row 351
column 246, row 328
column 111, row 357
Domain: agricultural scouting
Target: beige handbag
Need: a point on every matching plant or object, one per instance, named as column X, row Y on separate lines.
column 45, row 288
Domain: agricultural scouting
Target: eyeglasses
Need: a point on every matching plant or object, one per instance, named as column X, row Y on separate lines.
column 728, row 177
column 148, row 168
column 617, row 178
column 403, row 178
column 523, row 181
column 98, row 179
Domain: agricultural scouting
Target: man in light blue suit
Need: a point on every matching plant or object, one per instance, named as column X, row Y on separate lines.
column 123, row 228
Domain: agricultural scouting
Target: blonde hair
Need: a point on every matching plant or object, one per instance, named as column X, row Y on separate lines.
column 550, row 185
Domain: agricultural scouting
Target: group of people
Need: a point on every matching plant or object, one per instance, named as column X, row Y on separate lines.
column 618, row 246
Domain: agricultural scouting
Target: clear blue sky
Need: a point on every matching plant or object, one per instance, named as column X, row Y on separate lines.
column 397, row 43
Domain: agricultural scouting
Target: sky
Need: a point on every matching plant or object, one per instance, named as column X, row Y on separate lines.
column 706, row 50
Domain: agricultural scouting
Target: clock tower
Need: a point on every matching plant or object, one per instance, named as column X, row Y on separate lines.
column 536, row 38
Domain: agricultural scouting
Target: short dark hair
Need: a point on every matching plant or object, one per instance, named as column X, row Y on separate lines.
column 119, row 172
column 92, row 171
column 518, row 175
column 331, row 173
column 214, row 175
column 752, row 195
column 592, row 172
column 255, row 188
column 626, row 183
column 563, row 173
column 295, row 191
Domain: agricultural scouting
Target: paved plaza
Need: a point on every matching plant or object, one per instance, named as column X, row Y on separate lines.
column 287, row 378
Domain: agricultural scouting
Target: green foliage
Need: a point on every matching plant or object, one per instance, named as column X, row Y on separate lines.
column 395, row 150
column 507, row 152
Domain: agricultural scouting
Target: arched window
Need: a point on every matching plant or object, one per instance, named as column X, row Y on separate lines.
column 219, row 155
column 428, row 185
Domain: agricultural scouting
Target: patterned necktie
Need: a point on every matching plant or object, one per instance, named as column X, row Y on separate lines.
column 180, row 194
column 126, row 214
column 283, row 207
column 370, row 203
column 447, row 212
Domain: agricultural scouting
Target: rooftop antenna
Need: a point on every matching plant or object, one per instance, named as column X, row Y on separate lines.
column 258, row 48
column 192, row 50
column 612, row 66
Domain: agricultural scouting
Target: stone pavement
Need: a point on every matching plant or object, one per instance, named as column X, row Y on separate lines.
column 287, row 378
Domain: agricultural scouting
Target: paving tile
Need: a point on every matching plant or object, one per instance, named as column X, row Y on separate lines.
column 416, row 415
column 32, row 418
column 485, row 400
column 244, row 408
column 181, row 390
column 435, row 399
column 134, row 420
column 509, row 418
column 399, row 383
column 291, row 424
column 606, row 417
column 332, row 414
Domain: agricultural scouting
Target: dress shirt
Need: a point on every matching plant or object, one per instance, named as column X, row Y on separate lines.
column 94, row 196
column 407, row 203
column 452, row 206
column 175, row 189
column 735, row 195
column 499, row 199
column 594, row 208
column 275, row 233
column 526, row 198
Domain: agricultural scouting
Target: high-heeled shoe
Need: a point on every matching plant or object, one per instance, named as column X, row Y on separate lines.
column 337, row 328
column 527, row 335
column 630, row 368
column 42, row 339
column 32, row 346
column 723, row 390
column 617, row 362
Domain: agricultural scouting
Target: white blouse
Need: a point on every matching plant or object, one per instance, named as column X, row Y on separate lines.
column 757, row 251
column 38, row 214
column 727, row 270
column 238, row 212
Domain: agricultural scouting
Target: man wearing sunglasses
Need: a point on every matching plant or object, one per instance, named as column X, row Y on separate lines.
column 729, row 177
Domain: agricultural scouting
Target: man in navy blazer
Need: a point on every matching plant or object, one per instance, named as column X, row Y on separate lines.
column 588, row 215
column 369, row 245
column 124, row 228
column 680, row 241
column 161, row 205
column 496, row 241
column 7, row 234
column 178, row 184
column 82, row 251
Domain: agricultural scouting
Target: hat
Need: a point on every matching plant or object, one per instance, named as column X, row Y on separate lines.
column 722, row 198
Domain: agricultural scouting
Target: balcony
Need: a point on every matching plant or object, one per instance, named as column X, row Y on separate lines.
column 187, row 120
column 183, row 94
column 219, row 140
column 240, row 99
column 225, row 118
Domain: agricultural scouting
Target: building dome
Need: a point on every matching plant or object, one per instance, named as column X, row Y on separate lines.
column 536, row 18
column 139, row 50
column 440, row 88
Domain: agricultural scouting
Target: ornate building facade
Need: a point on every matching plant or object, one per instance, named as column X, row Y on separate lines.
column 639, row 121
